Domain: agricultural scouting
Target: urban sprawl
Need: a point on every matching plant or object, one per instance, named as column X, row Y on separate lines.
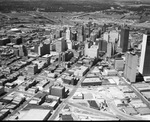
column 79, row 69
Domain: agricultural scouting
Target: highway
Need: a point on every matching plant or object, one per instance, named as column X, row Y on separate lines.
column 120, row 114
column 94, row 111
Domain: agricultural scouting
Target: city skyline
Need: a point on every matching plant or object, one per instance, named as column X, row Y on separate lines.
column 74, row 60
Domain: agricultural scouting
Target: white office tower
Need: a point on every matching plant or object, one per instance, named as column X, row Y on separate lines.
column 144, row 68
column 106, row 36
column 68, row 34
column 131, row 62
column 114, row 35
column 93, row 51
column 68, row 38
column 87, row 46
column 69, row 44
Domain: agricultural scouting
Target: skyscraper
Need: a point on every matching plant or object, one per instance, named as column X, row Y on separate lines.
column 87, row 46
column 60, row 45
column 131, row 63
column 145, row 56
column 124, row 39
column 102, row 44
column 109, row 49
column 74, row 35
column 68, row 34
column 93, row 51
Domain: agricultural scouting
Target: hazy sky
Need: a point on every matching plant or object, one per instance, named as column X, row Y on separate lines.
column 83, row 0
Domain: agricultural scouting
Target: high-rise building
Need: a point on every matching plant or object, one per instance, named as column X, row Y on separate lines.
column 70, row 45
column 102, row 44
column 43, row 48
column 106, row 36
column 114, row 35
column 131, row 63
column 109, row 49
column 124, row 38
column 92, row 52
column 80, row 33
column 68, row 34
column 87, row 46
column 61, row 45
column 144, row 68
column 93, row 36
column 74, row 35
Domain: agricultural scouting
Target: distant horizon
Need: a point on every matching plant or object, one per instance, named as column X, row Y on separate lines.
column 80, row 0
column 86, row 0
column 69, row 5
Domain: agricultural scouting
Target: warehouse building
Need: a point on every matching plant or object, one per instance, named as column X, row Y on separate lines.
column 36, row 114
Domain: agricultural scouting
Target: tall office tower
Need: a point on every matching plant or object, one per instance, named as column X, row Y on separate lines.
column 87, row 46
column 104, row 28
column 114, row 35
column 144, row 68
column 106, row 36
column 98, row 32
column 70, row 45
column 93, row 51
column 57, row 33
column 80, row 37
column 60, row 45
column 47, row 46
column 109, row 49
column 82, row 30
column 61, row 33
column 102, row 45
column 131, row 63
column 115, row 45
column 43, row 48
column 87, row 31
column 74, row 35
column 124, row 39
column 93, row 36
column 40, row 49
column 68, row 34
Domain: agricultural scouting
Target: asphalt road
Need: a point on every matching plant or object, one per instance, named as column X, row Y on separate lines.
column 94, row 111
column 120, row 114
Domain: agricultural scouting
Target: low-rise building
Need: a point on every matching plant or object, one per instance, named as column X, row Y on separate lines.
column 57, row 91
